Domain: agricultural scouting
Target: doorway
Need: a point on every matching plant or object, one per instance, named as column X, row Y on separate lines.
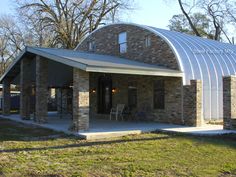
column 104, row 94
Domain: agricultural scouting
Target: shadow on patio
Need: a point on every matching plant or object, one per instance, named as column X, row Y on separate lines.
column 101, row 128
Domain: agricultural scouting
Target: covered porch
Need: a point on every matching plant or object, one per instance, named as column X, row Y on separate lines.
column 88, row 86
column 102, row 128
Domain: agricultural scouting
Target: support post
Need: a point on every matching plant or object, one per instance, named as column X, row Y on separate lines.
column 193, row 109
column 41, row 104
column 229, row 102
column 6, row 106
column 80, row 100
column 25, row 89
column 62, row 104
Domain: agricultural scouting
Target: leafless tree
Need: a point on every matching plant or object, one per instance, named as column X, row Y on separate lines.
column 68, row 21
column 11, row 41
column 187, row 15
column 219, row 12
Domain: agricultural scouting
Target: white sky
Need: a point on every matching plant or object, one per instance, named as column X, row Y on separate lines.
column 155, row 13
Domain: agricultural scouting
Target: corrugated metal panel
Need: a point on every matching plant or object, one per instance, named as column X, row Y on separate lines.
column 203, row 59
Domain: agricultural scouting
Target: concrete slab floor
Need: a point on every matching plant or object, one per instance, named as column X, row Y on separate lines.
column 100, row 128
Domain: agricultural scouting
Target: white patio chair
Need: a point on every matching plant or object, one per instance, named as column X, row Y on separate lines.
column 118, row 111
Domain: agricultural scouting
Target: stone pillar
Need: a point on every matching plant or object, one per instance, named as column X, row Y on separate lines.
column 192, row 103
column 80, row 100
column 229, row 101
column 61, row 101
column 25, row 89
column 41, row 104
column 58, row 100
column 6, row 104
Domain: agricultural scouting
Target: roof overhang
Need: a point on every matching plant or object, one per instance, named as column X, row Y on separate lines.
column 160, row 72
column 91, row 62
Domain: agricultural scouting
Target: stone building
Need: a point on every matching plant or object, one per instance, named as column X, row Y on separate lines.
column 159, row 75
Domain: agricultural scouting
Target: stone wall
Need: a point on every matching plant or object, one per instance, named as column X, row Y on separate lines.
column 229, row 102
column 173, row 96
column 192, row 103
column 106, row 41
column 6, row 104
column 80, row 100
column 41, row 105
column 61, row 97
column 25, row 89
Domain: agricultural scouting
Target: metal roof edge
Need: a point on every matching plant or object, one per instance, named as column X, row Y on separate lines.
column 57, row 58
column 157, row 72
column 13, row 63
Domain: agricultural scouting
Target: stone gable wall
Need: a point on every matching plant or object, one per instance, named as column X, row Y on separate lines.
column 106, row 41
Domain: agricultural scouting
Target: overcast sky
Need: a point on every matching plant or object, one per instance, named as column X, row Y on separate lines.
column 155, row 13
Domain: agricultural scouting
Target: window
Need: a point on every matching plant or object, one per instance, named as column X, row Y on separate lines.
column 159, row 94
column 91, row 46
column 122, row 42
column 148, row 41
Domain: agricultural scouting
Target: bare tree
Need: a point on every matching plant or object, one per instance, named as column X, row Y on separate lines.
column 11, row 41
column 186, row 14
column 68, row 21
column 219, row 12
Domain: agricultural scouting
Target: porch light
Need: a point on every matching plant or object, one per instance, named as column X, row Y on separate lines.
column 93, row 90
column 113, row 90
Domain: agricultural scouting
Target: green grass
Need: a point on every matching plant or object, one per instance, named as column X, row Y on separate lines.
column 31, row 151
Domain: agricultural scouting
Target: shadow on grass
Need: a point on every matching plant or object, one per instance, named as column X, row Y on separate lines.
column 13, row 131
column 16, row 131
column 84, row 144
column 218, row 140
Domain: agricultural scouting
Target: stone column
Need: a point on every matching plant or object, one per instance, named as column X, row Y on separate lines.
column 41, row 104
column 58, row 99
column 192, row 103
column 229, row 101
column 25, row 89
column 62, row 101
column 6, row 104
column 80, row 100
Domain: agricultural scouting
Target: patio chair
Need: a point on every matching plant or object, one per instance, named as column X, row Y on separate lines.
column 118, row 111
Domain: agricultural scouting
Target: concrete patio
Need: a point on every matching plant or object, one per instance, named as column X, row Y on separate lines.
column 100, row 128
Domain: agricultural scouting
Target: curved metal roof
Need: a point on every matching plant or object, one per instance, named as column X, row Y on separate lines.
column 203, row 59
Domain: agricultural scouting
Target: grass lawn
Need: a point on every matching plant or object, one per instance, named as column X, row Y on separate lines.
column 30, row 151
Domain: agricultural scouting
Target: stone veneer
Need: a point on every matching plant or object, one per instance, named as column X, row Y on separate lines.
column 80, row 100
column 106, row 41
column 173, row 96
column 41, row 105
column 6, row 104
column 229, row 102
column 25, row 89
column 192, row 103
column 61, row 96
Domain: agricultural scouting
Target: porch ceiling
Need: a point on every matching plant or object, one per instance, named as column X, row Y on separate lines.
column 91, row 62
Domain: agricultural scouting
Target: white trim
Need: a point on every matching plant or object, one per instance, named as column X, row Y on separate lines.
column 158, row 72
